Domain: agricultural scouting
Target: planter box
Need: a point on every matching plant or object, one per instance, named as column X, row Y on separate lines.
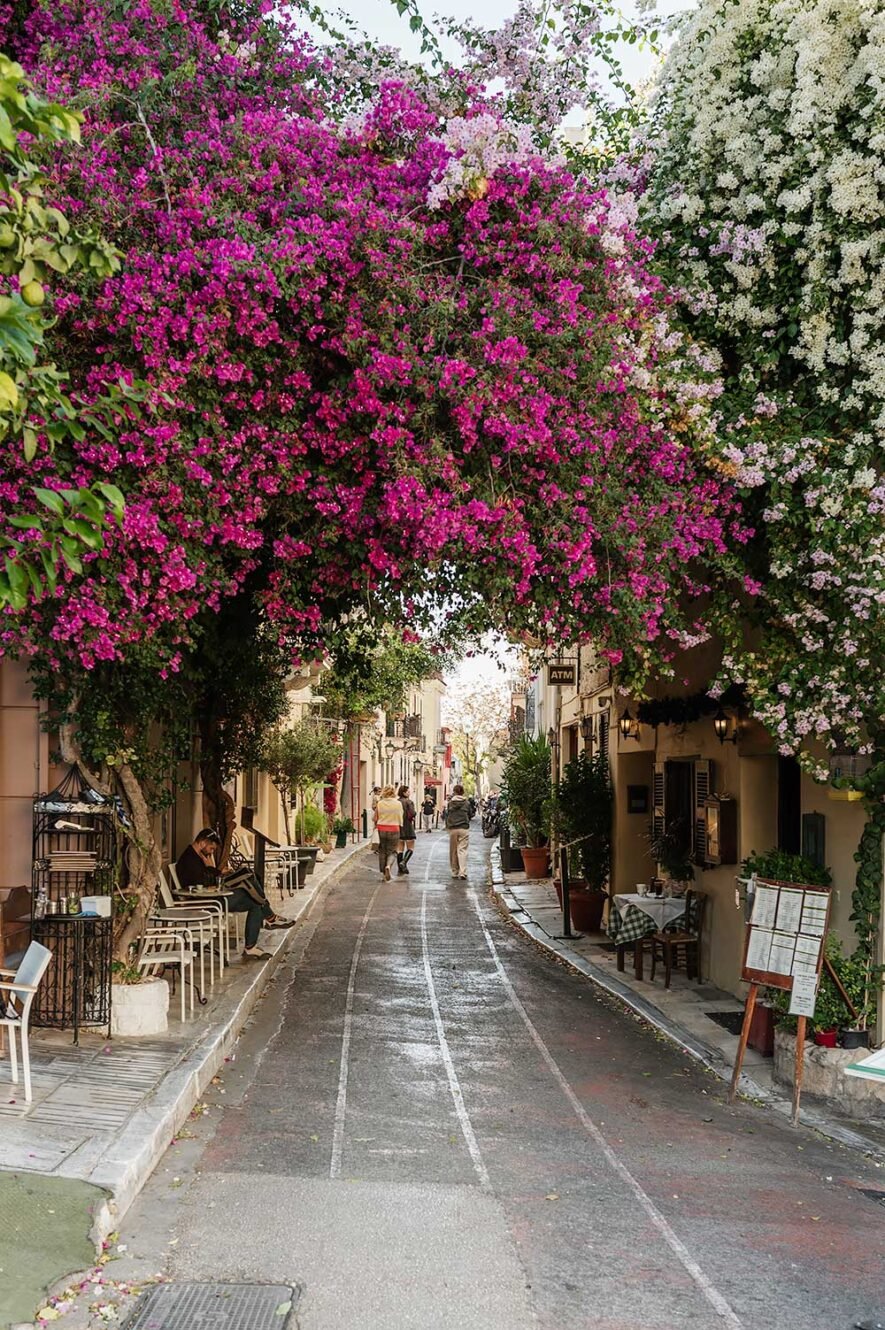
column 140, row 1009
column 824, row 1076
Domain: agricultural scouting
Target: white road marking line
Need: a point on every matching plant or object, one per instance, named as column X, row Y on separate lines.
column 341, row 1105
column 454, row 1083
column 429, row 862
column 680, row 1251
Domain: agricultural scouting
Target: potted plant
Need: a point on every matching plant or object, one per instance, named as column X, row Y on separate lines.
column 342, row 827
column 671, row 849
column 526, row 788
column 139, row 1002
column 583, row 818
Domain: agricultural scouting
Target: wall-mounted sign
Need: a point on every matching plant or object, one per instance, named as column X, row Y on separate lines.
column 562, row 673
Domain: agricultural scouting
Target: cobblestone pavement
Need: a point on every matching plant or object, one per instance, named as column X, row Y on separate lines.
column 431, row 1124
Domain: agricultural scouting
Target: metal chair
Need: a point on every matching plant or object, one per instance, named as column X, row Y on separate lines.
column 668, row 944
column 162, row 948
column 209, row 916
column 180, row 895
column 21, row 985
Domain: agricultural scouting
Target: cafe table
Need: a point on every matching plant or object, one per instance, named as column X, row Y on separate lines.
column 633, row 917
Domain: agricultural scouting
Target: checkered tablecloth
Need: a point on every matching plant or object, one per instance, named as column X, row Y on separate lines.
column 628, row 922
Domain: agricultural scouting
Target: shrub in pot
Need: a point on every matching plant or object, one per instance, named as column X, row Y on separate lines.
column 583, row 818
column 342, row 828
column 526, row 789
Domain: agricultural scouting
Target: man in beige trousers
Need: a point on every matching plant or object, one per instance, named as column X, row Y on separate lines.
column 458, row 824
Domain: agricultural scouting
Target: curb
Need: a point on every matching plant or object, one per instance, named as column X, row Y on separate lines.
column 708, row 1057
column 134, row 1152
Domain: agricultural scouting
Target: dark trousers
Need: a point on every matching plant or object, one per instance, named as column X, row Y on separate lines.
column 240, row 902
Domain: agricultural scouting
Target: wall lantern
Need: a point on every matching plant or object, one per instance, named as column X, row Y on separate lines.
column 586, row 727
column 628, row 726
column 390, row 749
column 720, row 725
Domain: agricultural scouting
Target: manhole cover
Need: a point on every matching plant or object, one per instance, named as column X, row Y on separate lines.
column 215, row 1307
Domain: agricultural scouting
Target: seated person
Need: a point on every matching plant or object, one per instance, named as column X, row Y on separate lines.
column 195, row 867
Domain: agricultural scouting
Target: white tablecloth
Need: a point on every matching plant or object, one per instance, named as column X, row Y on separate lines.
column 662, row 909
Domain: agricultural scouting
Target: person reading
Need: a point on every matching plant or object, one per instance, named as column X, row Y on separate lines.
column 195, row 867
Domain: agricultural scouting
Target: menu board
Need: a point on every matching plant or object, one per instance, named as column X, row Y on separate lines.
column 785, row 935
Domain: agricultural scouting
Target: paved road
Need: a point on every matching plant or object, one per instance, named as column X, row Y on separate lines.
column 433, row 1126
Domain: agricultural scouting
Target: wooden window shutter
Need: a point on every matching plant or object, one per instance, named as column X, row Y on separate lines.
column 604, row 722
column 658, row 801
column 703, row 788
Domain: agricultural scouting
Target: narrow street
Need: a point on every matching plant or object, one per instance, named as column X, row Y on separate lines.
column 431, row 1125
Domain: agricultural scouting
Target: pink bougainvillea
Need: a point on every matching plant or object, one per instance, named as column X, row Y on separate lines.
column 389, row 349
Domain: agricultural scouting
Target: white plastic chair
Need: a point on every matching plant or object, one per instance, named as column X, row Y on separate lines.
column 21, row 985
column 164, row 947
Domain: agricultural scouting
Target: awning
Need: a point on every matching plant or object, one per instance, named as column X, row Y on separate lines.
column 431, row 780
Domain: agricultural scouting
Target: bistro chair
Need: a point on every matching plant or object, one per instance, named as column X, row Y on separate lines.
column 210, row 915
column 180, row 896
column 15, row 1009
column 167, row 948
column 687, row 941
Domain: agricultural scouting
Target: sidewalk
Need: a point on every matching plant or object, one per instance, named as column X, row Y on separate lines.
column 103, row 1113
column 703, row 1020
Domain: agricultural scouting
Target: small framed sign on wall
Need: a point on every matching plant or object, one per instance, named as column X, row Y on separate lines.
column 637, row 798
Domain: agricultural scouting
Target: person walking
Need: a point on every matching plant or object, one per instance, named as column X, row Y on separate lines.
column 388, row 824
column 407, row 833
column 428, row 808
column 373, row 804
column 458, row 823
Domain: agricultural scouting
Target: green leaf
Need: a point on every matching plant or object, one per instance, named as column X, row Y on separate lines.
column 114, row 496
column 29, row 440
column 52, row 500
column 26, row 522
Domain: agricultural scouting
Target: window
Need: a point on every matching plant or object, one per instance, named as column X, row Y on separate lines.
column 250, row 787
column 680, row 792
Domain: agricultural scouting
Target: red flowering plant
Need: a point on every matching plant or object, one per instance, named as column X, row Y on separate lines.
column 403, row 344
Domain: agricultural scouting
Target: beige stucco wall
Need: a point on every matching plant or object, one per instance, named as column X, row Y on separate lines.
column 24, row 772
column 748, row 772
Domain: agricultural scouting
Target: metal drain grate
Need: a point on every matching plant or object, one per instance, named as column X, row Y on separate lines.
column 215, row 1307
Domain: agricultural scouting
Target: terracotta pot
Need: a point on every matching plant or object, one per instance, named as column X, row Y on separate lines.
column 761, row 1035
column 574, row 884
column 586, row 909
column 825, row 1038
column 535, row 861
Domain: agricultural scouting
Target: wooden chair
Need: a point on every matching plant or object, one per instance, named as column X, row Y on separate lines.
column 668, row 945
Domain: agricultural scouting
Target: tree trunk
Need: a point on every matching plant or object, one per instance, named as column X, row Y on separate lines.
column 219, row 809
column 144, row 861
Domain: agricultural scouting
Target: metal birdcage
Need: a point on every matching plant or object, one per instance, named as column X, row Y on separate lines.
column 74, row 855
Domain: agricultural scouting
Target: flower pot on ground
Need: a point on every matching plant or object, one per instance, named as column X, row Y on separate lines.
column 574, row 884
column 826, row 1038
column 854, row 1038
column 511, row 859
column 342, row 827
column 761, row 1036
column 535, row 860
column 586, row 905
column 139, row 1007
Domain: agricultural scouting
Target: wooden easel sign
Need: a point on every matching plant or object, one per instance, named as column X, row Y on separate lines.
column 784, row 948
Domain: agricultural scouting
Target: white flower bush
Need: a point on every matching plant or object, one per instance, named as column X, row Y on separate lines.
column 762, row 179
